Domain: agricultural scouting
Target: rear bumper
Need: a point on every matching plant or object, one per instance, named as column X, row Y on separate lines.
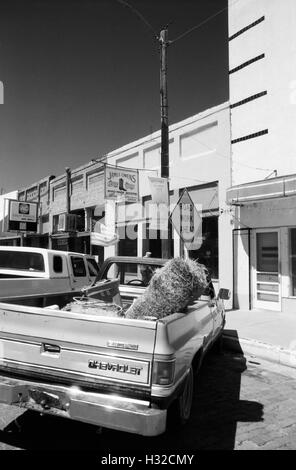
column 108, row 411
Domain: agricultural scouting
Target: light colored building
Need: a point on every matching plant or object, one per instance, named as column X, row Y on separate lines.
column 262, row 64
column 199, row 151
column 199, row 154
column 262, row 84
column 77, row 202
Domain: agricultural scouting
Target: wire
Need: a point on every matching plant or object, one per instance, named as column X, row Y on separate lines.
column 228, row 157
column 129, row 168
column 139, row 15
column 188, row 178
column 239, row 221
column 202, row 23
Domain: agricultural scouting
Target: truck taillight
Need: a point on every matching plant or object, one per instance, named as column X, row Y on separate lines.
column 163, row 372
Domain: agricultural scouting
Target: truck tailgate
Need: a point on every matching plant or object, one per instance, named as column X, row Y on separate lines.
column 103, row 353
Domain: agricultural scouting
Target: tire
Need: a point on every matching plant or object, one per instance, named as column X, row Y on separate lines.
column 217, row 347
column 180, row 410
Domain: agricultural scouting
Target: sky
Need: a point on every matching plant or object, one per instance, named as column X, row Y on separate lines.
column 81, row 77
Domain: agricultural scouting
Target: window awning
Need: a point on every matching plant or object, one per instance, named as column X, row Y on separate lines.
column 9, row 237
column 282, row 186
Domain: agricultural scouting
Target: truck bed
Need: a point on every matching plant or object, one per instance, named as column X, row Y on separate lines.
column 75, row 348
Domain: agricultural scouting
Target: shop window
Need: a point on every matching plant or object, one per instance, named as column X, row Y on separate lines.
column 153, row 241
column 293, row 261
column 267, row 252
column 207, row 254
column 153, row 237
column 128, row 244
column 98, row 251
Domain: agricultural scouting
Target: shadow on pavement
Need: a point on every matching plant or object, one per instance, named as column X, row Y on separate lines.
column 217, row 409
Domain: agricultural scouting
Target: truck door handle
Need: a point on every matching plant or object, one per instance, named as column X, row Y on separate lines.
column 50, row 348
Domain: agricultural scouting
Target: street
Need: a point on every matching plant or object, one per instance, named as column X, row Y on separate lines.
column 240, row 403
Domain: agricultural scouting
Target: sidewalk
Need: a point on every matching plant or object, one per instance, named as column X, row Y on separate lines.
column 263, row 333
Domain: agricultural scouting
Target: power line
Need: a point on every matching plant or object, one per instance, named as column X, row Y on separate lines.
column 139, row 15
column 228, row 157
column 130, row 168
column 202, row 23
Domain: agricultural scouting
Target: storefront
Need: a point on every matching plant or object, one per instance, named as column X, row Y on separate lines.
column 10, row 240
column 206, row 198
column 264, row 241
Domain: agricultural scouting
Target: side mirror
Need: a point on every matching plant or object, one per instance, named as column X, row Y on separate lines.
column 224, row 294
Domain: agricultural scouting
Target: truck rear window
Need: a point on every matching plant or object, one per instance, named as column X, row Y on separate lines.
column 131, row 273
column 92, row 267
column 58, row 264
column 78, row 266
column 22, row 261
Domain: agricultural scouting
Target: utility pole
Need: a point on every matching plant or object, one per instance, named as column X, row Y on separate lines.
column 68, row 176
column 164, row 104
column 164, row 43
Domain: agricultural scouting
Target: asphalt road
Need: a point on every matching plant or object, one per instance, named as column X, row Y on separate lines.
column 239, row 403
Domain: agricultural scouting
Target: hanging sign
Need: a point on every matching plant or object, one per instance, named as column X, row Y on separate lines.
column 121, row 183
column 159, row 190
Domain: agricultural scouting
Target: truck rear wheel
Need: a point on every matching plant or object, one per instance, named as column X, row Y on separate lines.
column 186, row 398
column 180, row 410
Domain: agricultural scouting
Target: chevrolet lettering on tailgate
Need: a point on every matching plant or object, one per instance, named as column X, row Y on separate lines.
column 115, row 367
column 121, row 369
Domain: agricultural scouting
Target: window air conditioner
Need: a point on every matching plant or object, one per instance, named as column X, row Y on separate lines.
column 61, row 227
column 67, row 223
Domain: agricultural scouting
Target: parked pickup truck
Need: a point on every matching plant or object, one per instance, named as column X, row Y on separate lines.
column 114, row 372
column 25, row 273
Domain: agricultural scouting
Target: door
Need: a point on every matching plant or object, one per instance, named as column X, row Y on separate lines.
column 267, row 277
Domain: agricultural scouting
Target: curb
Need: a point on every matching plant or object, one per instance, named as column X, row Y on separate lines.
column 266, row 351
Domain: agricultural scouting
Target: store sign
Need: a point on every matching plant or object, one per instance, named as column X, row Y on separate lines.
column 187, row 220
column 22, row 216
column 121, row 184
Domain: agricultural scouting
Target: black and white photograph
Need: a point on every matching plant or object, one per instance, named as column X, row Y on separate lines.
column 147, row 230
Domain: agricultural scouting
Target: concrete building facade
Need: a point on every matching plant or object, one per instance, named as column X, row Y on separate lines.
column 77, row 201
column 262, row 65
column 199, row 154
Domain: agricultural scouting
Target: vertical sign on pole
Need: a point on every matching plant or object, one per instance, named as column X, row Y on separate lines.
column 187, row 221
